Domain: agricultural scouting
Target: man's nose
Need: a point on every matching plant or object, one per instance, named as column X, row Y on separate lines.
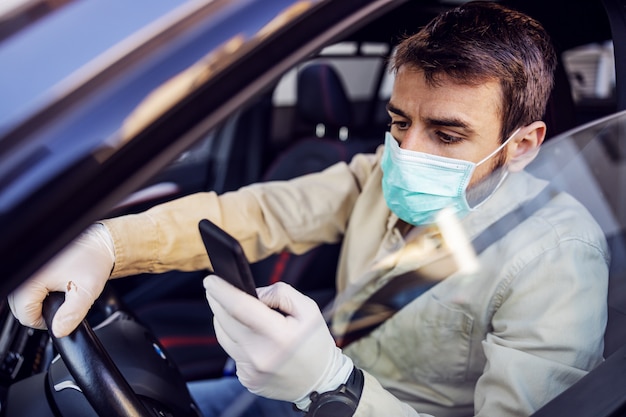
column 415, row 139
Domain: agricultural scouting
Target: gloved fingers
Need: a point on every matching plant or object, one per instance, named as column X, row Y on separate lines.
column 225, row 325
column 259, row 350
column 78, row 301
column 229, row 303
column 26, row 303
column 226, row 342
column 288, row 300
column 27, row 314
column 81, row 270
column 278, row 356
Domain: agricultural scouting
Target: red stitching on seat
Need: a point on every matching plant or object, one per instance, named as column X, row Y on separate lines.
column 180, row 341
column 279, row 267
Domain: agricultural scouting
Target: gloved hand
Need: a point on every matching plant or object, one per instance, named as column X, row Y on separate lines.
column 281, row 356
column 81, row 271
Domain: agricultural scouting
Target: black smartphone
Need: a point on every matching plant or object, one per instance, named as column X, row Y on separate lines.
column 227, row 257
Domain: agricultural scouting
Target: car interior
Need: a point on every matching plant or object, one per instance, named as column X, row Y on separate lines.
column 279, row 137
column 324, row 111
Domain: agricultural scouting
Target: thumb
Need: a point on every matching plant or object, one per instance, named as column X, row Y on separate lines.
column 287, row 299
column 77, row 303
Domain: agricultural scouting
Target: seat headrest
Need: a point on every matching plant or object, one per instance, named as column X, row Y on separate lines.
column 322, row 97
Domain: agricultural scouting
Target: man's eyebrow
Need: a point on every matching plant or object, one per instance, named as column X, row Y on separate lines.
column 393, row 109
column 449, row 122
column 435, row 121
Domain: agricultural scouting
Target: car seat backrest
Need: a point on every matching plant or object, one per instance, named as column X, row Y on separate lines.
column 615, row 334
column 560, row 115
column 237, row 147
column 322, row 100
column 323, row 106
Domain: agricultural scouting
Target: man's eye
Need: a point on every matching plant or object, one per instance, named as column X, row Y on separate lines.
column 448, row 139
column 399, row 124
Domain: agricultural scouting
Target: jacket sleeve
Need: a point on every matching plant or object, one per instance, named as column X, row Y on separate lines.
column 266, row 218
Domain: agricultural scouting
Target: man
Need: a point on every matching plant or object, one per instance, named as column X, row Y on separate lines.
column 470, row 90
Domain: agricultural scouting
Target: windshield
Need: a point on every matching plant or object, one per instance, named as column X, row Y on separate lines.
column 62, row 43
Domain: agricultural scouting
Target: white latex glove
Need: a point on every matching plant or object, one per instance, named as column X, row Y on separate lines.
column 281, row 356
column 80, row 271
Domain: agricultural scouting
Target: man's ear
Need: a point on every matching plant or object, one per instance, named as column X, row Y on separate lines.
column 525, row 146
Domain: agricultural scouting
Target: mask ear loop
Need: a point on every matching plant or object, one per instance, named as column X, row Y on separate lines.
column 502, row 178
column 499, row 148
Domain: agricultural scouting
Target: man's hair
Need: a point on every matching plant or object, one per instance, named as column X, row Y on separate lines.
column 483, row 41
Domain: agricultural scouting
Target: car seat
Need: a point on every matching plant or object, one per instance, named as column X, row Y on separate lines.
column 325, row 115
column 615, row 334
column 323, row 108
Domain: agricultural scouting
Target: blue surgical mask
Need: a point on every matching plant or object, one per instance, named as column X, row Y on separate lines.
column 417, row 185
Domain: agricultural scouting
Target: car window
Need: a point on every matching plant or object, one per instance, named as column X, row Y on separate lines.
column 584, row 163
column 358, row 65
column 16, row 15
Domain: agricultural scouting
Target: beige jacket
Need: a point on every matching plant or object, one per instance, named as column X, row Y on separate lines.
column 498, row 343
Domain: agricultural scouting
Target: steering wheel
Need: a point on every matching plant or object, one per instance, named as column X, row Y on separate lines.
column 94, row 371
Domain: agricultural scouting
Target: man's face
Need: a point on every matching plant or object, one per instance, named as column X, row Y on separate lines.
column 450, row 120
